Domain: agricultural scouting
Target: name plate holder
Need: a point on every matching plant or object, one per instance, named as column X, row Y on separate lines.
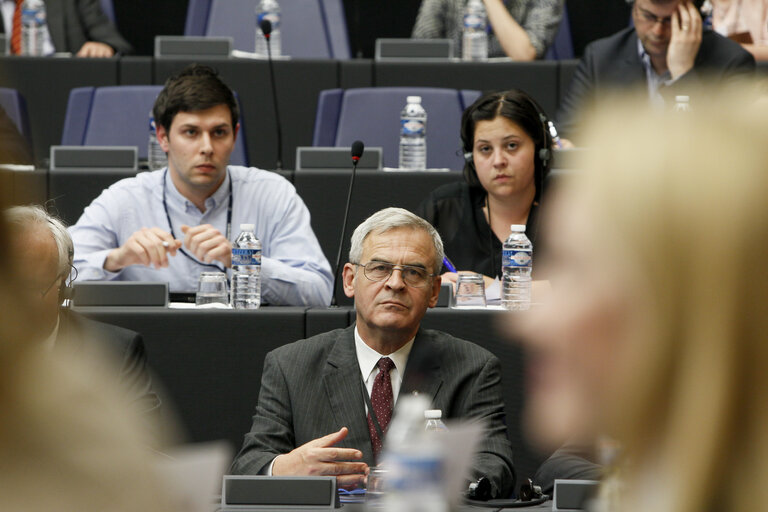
column 571, row 495
column 247, row 493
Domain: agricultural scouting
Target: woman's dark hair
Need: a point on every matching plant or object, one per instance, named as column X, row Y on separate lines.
column 195, row 88
column 521, row 109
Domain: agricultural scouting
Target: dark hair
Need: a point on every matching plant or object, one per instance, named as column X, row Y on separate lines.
column 521, row 109
column 195, row 88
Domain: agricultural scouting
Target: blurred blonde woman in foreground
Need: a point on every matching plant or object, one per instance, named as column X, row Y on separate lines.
column 657, row 329
column 66, row 442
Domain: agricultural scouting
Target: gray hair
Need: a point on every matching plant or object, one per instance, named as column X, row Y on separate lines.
column 391, row 218
column 21, row 218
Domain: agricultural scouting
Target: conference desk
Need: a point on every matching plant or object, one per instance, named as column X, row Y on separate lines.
column 208, row 363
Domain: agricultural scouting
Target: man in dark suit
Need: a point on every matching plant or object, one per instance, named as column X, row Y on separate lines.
column 667, row 53
column 44, row 249
column 77, row 26
column 313, row 416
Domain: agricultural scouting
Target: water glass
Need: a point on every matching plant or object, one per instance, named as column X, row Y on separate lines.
column 470, row 290
column 212, row 289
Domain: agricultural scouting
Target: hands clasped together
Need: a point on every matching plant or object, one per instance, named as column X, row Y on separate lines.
column 153, row 246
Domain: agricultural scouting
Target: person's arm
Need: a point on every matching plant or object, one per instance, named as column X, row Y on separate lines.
column 99, row 29
column 269, row 448
column 494, row 454
column 570, row 462
column 529, row 41
column 293, row 267
column 136, row 380
column 431, row 22
column 758, row 52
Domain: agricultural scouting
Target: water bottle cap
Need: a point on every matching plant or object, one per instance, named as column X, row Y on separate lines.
column 682, row 99
column 433, row 414
column 247, row 227
column 519, row 228
column 414, row 99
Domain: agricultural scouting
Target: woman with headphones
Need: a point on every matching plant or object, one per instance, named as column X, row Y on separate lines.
column 506, row 148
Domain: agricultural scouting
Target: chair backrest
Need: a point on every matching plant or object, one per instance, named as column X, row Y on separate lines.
column 119, row 116
column 197, row 17
column 303, row 32
column 109, row 9
column 15, row 107
column 336, row 25
column 373, row 116
column 562, row 46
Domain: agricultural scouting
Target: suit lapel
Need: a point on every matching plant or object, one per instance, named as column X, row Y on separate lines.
column 343, row 385
column 634, row 70
column 423, row 373
column 55, row 19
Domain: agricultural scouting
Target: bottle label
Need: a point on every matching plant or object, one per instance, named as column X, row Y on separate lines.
column 273, row 17
column 474, row 21
column 246, row 256
column 33, row 16
column 152, row 127
column 412, row 127
column 515, row 258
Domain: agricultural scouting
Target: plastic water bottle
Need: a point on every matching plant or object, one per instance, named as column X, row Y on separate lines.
column 246, row 269
column 516, row 263
column 269, row 10
column 434, row 421
column 682, row 104
column 413, row 460
column 155, row 154
column 33, row 26
column 413, row 135
column 474, row 39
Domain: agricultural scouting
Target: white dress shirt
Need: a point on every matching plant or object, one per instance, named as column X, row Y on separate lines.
column 294, row 270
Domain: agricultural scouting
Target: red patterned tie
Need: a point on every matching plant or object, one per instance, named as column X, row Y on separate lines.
column 16, row 30
column 382, row 400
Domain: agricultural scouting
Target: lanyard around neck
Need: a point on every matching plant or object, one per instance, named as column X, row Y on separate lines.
column 170, row 224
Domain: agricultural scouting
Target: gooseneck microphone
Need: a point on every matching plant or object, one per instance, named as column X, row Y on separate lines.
column 266, row 28
column 357, row 151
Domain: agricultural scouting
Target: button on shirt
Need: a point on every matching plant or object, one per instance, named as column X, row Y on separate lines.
column 294, row 270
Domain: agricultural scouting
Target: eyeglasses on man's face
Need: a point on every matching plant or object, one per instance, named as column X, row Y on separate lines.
column 651, row 19
column 378, row 271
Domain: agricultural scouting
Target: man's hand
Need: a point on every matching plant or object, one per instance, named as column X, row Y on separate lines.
column 685, row 41
column 207, row 243
column 95, row 49
column 144, row 247
column 318, row 457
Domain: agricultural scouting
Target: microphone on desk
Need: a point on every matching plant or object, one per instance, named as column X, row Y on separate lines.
column 266, row 28
column 357, row 151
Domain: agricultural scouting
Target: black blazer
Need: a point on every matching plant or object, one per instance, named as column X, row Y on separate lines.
column 126, row 348
column 313, row 387
column 72, row 23
column 614, row 63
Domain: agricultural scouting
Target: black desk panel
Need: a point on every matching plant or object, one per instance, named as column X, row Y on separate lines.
column 298, row 83
column 136, row 70
column 566, row 71
column 325, row 194
column 539, row 78
column 45, row 83
column 70, row 191
column 209, row 361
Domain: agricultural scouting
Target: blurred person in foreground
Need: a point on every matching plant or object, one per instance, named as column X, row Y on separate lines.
column 655, row 334
column 66, row 442
column 44, row 251
column 744, row 21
